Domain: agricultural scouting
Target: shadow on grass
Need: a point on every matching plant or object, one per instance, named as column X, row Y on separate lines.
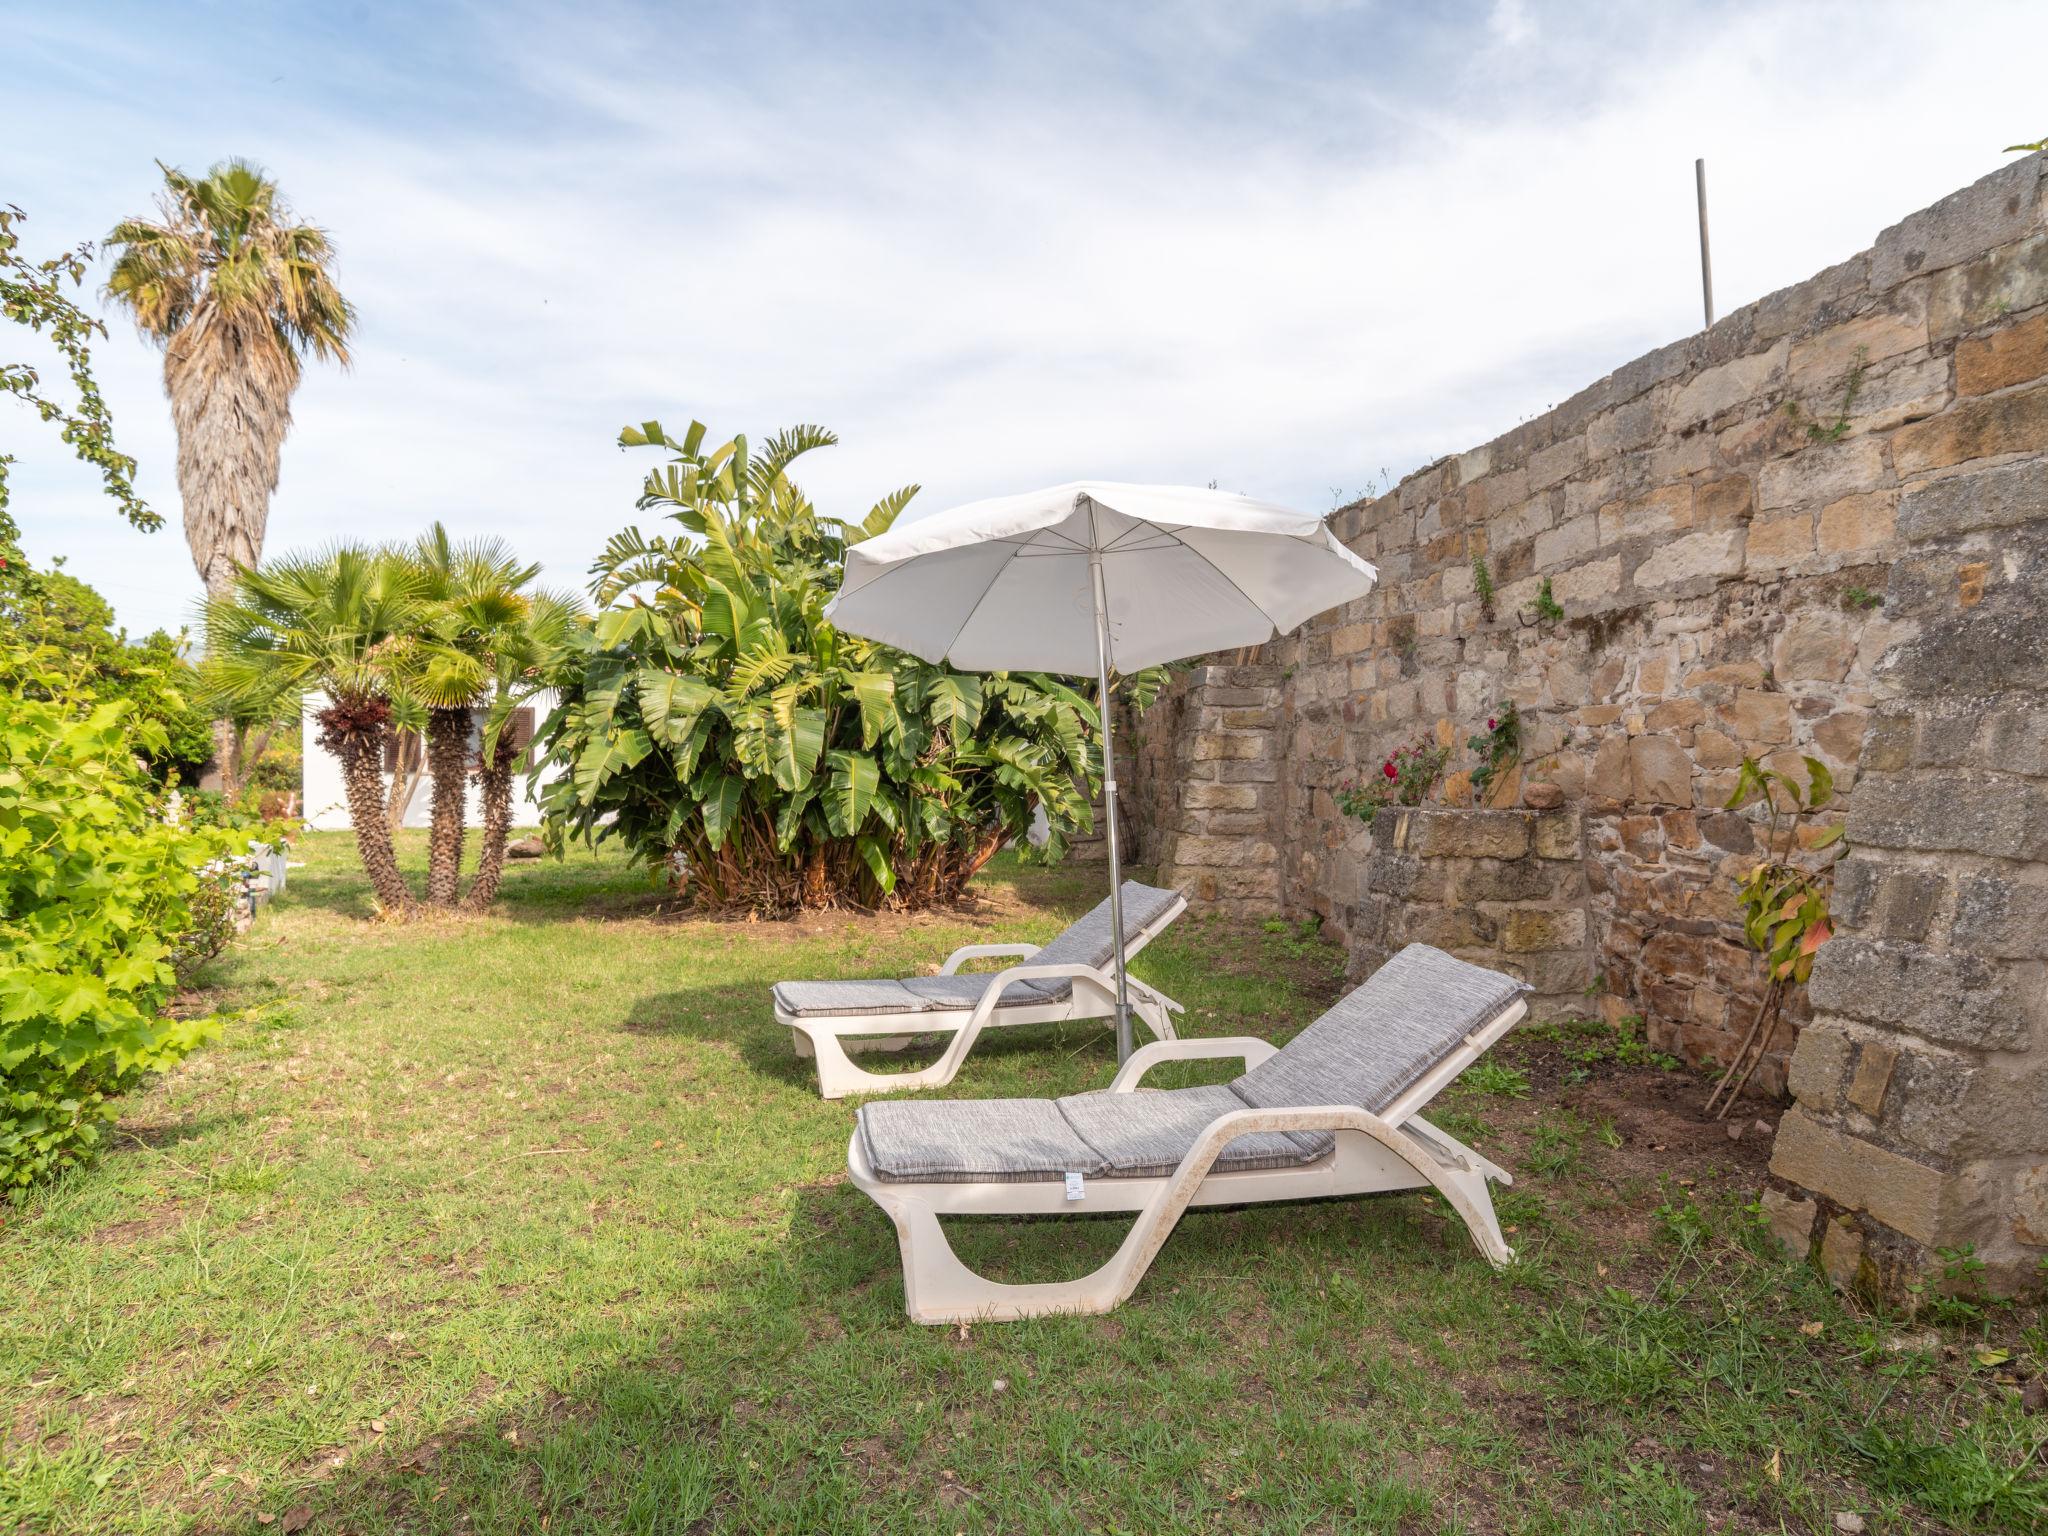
column 798, row 1398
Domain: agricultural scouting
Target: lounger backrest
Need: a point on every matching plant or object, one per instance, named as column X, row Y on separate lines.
column 1088, row 941
column 1368, row 1050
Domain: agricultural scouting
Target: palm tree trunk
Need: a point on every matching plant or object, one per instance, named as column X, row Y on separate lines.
column 448, row 763
column 362, row 779
column 494, row 779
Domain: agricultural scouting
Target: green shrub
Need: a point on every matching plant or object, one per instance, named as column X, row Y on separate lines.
column 710, row 716
column 96, row 895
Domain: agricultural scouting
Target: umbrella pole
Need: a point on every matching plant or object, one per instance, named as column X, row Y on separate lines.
column 1116, row 876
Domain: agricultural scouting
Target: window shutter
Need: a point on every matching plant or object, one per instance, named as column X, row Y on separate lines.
column 520, row 729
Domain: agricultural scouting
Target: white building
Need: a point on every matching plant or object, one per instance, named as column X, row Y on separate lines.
column 326, row 802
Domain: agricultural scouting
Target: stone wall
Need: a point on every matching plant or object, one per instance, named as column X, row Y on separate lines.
column 1814, row 529
column 1501, row 888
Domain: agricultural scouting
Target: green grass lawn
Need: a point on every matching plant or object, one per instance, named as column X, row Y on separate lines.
column 534, row 1223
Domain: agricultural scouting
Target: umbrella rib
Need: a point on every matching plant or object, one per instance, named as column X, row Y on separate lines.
column 975, row 607
column 1257, row 607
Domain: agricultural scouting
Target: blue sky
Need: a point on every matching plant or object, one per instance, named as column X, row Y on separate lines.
column 1285, row 247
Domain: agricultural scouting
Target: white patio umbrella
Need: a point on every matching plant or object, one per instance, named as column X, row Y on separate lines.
column 1095, row 576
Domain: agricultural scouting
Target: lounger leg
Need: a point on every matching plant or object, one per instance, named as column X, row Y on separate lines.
column 938, row 1288
column 839, row 1078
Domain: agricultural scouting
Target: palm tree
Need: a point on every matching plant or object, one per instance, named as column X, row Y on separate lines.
column 478, row 618
column 520, row 663
column 337, row 622
column 237, row 295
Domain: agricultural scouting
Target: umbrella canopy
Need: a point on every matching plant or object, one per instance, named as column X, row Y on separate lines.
column 1095, row 576
column 1008, row 583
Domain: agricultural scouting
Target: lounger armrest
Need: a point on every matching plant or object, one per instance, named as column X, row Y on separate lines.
column 984, row 952
column 1249, row 1049
column 1225, row 1129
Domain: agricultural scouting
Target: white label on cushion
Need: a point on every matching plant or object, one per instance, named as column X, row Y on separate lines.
column 1074, row 1190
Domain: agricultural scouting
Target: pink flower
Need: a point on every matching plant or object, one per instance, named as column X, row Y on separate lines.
column 1390, row 771
column 1493, row 725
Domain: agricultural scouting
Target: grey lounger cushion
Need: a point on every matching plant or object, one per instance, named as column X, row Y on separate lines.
column 1087, row 941
column 1382, row 1036
column 1367, row 1051
column 914, row 994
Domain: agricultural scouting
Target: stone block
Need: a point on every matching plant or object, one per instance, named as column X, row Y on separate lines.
column 1911, row 392
column 1777, row 542
column 1534, row 928
column 1815, row 646
column 1756, row 717
column 2003, row 915
column 1501, row 880
column 1723, row 503
column 2003, row 282
column 1567, row 542
column 2030, row 1205
column 1614, row 432
column 1558, row 835
column 2018, row 354
column 1865, row 521
column 1677, row 714
column 1589, row 583
column 1979, row 428
column 1219, row 797
column 1791, row 1221
column 1905, row 1195
column 1559, row 461
column 1951, row 999
column 1218, row 746
column 1715, row 749
column 1830, row 354
column 1841, row 1253
column 1822, row 472
column 1660, row 773
column 1666, row 510
column 1466, row 834
column 1873, row 1075
column 1819, row 1059
column 1698, row 556
column 2003, row 818
column 1996, row 210
column 1716, row 390
column 2003, row 497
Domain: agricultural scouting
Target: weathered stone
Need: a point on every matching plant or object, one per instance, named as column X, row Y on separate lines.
column 1860, row 342
column 1947, row 998
column 2002, row 818
column 1754, row 716
column 1901, row 1193
column 1714, row 749
column 1692, row 558
column 1819, row 1060
column 2016, row 355
column 2030, row 1205
column 1994, row 211
column 1865, row 521
column 1467, row 834
column 1542, row 797
column 1715, row 390
column 1566, row 542
column 1777, row 542
column 1815, row 646
column 1531, row 928
column 1588, row 583
column 1873, row 1075
column 2002, row 916
column 1841, row 1253
column 1721, row 503
column 1666, row 510
column 1791, row 1221
column 1991, row 498
column 1823, row 472
column 1557, row 835
column 1219, row 797
column 1975, row 429
column 2003, row 282
column 1659, row 771
column 1676, row 714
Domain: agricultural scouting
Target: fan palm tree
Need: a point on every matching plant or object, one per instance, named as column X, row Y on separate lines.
column 478, row 622
column 237, row 295
column 338, row 621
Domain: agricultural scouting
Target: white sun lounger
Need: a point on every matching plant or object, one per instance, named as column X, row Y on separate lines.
column 1066, row 979
column 1334, row 1113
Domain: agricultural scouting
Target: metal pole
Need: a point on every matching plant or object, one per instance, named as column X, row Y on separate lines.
column 1116, row 875
column 1699, row 172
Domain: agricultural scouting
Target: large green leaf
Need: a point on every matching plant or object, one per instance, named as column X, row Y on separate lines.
column 670, row 702
column 956, row 701
column 719, row 799
column 608, row 754
column 795, row 738
column 851, row 795
column 876, row 694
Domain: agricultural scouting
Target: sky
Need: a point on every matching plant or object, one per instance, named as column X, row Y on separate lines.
column 1296, row 249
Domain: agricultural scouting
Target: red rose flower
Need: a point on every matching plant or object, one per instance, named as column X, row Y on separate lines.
column 1493, row 725
column 1389, row 770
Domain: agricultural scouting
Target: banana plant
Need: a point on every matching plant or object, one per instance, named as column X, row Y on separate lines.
column 712, row 720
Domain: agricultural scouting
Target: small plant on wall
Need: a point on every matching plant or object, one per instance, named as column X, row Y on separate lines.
column 1498, row 748
column 1406, row 777
column 1784, row 907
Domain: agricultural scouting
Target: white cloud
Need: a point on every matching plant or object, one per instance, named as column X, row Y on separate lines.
column 1029, row 249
